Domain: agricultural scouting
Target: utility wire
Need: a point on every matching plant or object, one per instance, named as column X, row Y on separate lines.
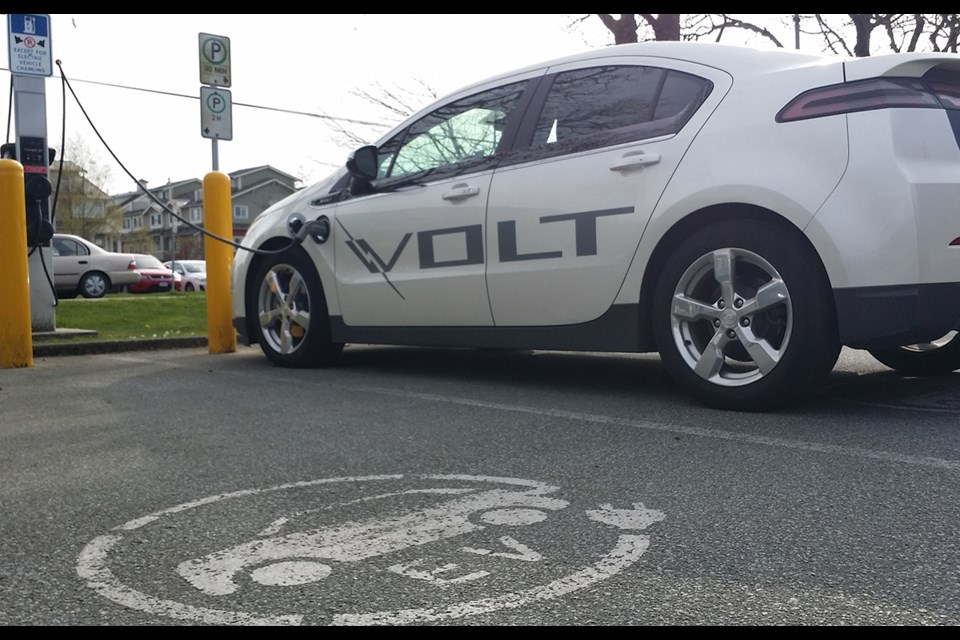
column 294, row 242
column 236, row 104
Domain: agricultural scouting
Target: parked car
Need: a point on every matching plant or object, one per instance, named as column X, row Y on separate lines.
column 188, row 275
column 742, row 212
column 84, row 268
column 154, row 276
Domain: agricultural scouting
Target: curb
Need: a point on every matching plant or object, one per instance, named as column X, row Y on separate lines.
column 115, row 346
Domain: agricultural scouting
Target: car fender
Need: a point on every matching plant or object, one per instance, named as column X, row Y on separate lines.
column 271, row 232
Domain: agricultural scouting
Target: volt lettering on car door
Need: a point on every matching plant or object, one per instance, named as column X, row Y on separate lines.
column 601, row 141
column 433, row 180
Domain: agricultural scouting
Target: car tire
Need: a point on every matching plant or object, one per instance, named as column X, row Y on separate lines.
column 925, row 359
column 742, row 319
column 288, row 291
column 94, row 285
column 188, row 287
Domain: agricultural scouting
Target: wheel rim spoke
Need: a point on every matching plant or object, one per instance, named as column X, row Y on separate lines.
column 770, row 294
column 723, row 273
column 689, row 309
column 762, row 353
column 712, row 359
column 301, row 318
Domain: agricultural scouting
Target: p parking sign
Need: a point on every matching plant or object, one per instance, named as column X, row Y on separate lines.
column 214, row 60
column 29, row 39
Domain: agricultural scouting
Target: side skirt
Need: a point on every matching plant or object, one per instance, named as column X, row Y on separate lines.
column 617, row 330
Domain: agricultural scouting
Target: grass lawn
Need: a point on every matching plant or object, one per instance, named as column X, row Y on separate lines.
column 126, row 316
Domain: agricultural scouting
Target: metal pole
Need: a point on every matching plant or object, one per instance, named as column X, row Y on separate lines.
column 216, row 155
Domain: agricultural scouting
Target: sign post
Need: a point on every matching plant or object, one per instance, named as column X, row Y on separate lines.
column 216, row 106
column 216, row 123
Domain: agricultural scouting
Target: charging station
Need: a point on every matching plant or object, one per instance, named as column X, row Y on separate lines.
column 31, row 62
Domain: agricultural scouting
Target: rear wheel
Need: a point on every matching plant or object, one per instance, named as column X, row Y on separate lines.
column 292, row 322
column 741, row 318
column 94, row 285
column 924, row 359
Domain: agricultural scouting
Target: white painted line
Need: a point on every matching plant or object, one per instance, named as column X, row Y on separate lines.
column 800, row 445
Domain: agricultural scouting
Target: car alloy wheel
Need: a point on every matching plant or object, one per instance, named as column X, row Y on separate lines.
column 293, row 325
column 743, row 316
column 731, row 317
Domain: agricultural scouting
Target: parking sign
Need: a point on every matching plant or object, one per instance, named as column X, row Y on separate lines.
column 29, row 38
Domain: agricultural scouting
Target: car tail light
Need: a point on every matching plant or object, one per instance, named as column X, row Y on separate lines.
column 863, row 95
column 132, row 266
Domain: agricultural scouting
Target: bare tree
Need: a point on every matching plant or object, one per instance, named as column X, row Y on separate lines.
column 393, row 103
column 905, row 32
column 674, row 26
column 944, row 31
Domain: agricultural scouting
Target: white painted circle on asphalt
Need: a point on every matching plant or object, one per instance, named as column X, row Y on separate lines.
column 406, row 539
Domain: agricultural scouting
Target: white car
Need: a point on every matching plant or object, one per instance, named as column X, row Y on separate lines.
column 743, row 212
column 188, row 275
column 82, row 267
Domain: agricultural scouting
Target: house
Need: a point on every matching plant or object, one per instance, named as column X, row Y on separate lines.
column 168, row 223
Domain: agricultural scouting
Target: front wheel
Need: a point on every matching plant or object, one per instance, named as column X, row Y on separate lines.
column 742, row 319
column 292, row 322
column 924, row 359
column 94, row 285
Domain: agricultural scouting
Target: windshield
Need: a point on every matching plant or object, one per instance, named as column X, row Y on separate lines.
column 193, row 266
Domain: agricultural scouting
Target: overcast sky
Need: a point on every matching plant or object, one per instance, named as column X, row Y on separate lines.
column 302, row 63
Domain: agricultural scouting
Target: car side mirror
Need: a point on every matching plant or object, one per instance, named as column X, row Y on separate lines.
column 362, row 163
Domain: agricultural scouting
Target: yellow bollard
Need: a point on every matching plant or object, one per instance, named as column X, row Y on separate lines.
column 16, row 337
column 218, row 220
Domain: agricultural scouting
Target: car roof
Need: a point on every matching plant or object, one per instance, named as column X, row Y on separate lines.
column 734, row 59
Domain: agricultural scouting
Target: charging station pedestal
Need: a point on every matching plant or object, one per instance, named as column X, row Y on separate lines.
column 30, row 64
column 33, row 154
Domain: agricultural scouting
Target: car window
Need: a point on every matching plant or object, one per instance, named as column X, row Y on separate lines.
column 466, row 131
column 149, row 262
column 194, row 267
column 68, row 247
column 602, row 106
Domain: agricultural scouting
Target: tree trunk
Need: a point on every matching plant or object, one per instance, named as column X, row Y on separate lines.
column 624, row 29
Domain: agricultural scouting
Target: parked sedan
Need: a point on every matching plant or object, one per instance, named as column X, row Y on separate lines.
column 745, row 213
column 188, row 275
column 81, row 267
column 153, row 275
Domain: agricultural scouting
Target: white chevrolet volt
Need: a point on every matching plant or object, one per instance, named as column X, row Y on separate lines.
column 744, row 213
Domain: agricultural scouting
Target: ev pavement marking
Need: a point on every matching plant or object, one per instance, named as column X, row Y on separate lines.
column 293, row 559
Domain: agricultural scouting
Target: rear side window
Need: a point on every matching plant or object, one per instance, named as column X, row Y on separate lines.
column 602, row 106
column 67, row 247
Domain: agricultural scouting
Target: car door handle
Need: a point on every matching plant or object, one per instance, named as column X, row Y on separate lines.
column 635, row 160
column 81, row 262
column 461, row 191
